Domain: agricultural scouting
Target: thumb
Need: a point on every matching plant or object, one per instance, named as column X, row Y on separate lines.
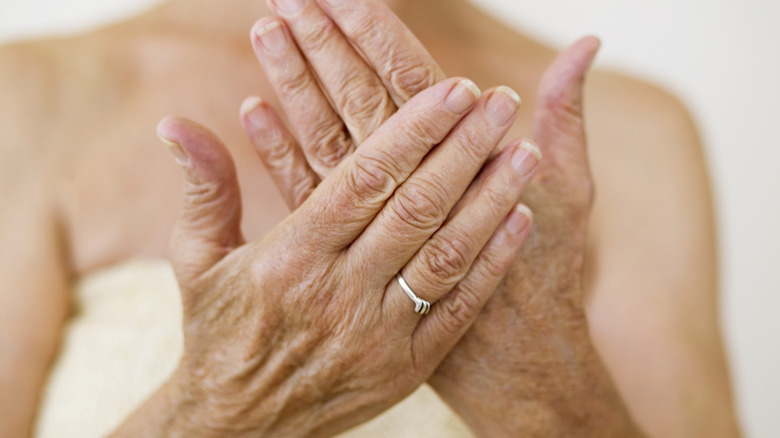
column 210, row 223
column 558, row 123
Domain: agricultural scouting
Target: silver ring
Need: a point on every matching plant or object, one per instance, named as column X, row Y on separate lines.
column 421, row 306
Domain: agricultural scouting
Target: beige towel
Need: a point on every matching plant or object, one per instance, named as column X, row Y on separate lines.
column 125, row 340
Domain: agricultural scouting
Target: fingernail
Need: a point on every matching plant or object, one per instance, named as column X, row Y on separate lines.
column 519, row 219
column 290, row 7
column 502, row 105
column 176, row 149
column 462, row 96
column 257, row 118
column 526, row 157
column 273, row 38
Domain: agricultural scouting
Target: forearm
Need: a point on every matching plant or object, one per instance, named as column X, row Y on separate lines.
column 28, row 349
column 179, row 409
column 21, row 383
column 166, row 414
column 34, row 308
column 582, row 401
column 29, row 338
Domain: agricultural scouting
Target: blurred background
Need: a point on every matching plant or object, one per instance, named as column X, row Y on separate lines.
column 721, row 57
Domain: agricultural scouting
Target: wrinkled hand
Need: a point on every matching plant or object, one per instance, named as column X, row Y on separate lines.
column 306, row 332
column 527, row 366
column 531, row 342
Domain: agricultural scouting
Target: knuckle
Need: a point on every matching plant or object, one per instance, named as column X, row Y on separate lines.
column 563, row 113
column 205, row 193
column 294, row 81
column 409, row 78
column 447, row 260
column 367, row 30
column 421, row 205
column 461, row 309
column 276, row 153
column 317, row 36
column 493, row 266
column 498, row 201
column 366, row 104
column 330, row 143
column 419, row 131
column 301, row 191
column 369, row 178
column 473, row 143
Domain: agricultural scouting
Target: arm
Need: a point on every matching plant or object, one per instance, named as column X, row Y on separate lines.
column 664, row 280
column 34, row 301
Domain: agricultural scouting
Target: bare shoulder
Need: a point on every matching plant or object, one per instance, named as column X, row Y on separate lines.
column 649, row 164
column 619, row 107
column 653, row 278
column 37, row 83
column 27, row 84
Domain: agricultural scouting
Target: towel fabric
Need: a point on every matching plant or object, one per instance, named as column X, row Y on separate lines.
column 125, row 339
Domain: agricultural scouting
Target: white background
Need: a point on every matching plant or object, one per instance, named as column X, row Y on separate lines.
column 722, row 57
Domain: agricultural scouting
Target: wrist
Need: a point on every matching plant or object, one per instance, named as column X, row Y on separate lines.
column 167, row 413
column 182, row 408
column 579, row 399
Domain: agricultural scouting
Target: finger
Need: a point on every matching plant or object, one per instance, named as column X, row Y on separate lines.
column 419, row 206
column 401, row 61
column 356, row 92
column 279, row 152
column 351, row 198
column 449, row 319
column 210, row 223
column 444, row 260
column 558, row 123
column 318, row 128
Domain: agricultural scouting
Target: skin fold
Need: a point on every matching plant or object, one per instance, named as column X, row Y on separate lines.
column 532, row 344
column 594, row 330
column 358, row 348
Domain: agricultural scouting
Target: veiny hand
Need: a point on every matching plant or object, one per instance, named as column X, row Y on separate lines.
column 531, row 343
column 356, row 96
column 527, row 367
column 306, row 332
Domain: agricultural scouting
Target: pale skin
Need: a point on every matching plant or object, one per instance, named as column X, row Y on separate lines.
column 70, row 215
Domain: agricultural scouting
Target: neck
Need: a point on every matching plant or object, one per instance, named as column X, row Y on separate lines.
column 230, row 18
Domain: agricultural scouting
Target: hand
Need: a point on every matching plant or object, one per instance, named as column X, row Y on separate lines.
column 364, row 91
column 306, row 332
column 528, row 364
column 531, row 343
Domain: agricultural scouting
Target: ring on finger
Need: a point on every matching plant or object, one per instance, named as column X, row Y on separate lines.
column 421, row 306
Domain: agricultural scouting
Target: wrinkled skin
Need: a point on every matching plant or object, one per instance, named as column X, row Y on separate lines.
column 305, row 332
column 529, row 353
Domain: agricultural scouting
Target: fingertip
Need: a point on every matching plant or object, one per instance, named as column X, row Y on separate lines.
column 592, row 41
column 594, row 47
column 525, row 211
column 532, row 148
column 587, row 48
column 179, row 130
column 194, row 146
column 253, row 115
column 166, row 133
column 165, row 127
column 519, row 220
column 263, row 26
column 462, row 96
column 249, row 104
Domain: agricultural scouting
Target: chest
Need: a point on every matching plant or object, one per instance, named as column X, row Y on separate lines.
column 118, row 186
